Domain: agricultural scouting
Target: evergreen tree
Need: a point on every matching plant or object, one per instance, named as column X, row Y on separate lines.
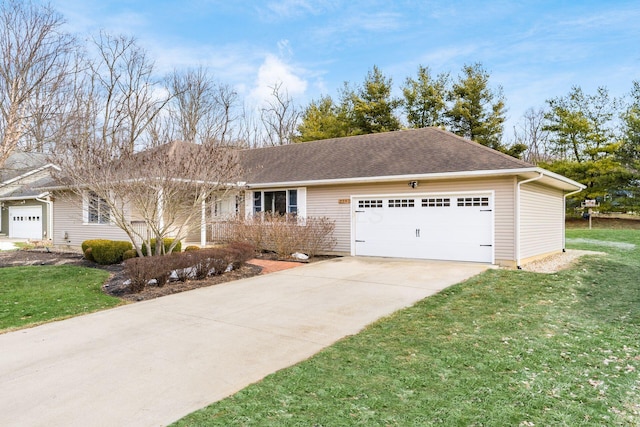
column 322, row 119
column 583, row 139
column 373, row 106
column 630, row 150
column 478, row 112
column 425, row 99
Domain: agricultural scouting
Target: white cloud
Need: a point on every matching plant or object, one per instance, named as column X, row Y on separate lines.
column 275, row 71
column 359, row 25
column 285, row 9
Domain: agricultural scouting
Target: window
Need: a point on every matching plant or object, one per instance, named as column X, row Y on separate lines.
column 369, row 203
column 98, row 211
column 292, row 204
column 257, row 201
column 401, row 203
column 473, row 201
column 277, row 202
column 436, row 202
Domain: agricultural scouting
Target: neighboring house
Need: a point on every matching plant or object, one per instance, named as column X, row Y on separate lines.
column 26, row 209
column 423, row 193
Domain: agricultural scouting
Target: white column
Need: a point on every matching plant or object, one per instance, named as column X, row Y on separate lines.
column 203, row 224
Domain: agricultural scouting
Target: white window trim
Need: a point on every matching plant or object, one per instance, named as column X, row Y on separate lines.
column 301, row 202
column 85, row 212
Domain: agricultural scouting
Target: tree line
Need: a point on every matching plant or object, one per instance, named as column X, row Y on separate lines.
column 468, row 106
column 58, row 92
column 591, row 138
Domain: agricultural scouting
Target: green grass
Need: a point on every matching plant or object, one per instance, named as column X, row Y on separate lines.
column 37, row 294
column 506, row 348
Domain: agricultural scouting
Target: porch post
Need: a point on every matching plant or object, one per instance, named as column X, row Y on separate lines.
column 203, row 224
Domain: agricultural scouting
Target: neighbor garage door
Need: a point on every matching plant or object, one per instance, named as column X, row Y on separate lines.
column 25, row 222
column 440, row 227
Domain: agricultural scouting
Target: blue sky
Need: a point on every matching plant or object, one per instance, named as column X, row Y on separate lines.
column 535, row 50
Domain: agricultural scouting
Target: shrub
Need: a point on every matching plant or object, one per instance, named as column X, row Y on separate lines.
column 162, row 269
column 166, row 243
column 88, row 244
column 89, row 255
column 105, row 251
column 131, row 253
column 201, row 263
column 110, row 251
column 286, row 234
column 317, row 236
column 181, row 262
column 241, row 253
column 220, row 260
column 192, row 248
column 141, row 270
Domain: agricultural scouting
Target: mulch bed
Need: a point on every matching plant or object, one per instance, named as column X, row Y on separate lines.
column 114, row 285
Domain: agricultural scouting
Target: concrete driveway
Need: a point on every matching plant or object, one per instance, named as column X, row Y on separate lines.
column 151, row 363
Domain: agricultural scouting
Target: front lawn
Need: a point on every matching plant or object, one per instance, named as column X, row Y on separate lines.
column 37, row 294
column 504, row 348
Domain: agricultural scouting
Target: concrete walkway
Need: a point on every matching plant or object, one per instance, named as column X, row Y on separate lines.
column 151, row 363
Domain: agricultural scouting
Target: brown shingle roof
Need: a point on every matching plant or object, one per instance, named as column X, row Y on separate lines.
column 406, row 152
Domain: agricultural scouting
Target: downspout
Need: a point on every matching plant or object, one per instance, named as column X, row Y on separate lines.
column 526, row 181
column 564, row 218
column 49, row 204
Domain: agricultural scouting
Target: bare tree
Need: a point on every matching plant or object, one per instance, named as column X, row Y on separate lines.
column 531, row 132
column 249, row 130
column 201, row 108
column 123, row 94
column 35, row 66
column 164, row 187
column 280, row 117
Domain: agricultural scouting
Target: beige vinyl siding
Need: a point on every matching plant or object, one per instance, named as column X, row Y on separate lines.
column 67, row 218
column 324, row 201
column 541, row 217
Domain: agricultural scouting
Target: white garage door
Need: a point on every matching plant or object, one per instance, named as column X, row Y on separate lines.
column 25, row 222
column 440, row 227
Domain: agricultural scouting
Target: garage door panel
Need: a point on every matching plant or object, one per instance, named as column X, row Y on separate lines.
column 379, row 229
column 25, row 222
column 429, row 227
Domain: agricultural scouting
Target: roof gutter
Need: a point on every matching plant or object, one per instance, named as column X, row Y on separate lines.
column 407, row 177
column 9, row 199
column 518, row 209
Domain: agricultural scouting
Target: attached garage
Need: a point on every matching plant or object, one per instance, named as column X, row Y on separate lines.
column 456, row 227
column 418, row 193
column 25, row 222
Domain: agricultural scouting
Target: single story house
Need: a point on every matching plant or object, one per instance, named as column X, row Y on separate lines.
column 421, row 193
column 26, row 209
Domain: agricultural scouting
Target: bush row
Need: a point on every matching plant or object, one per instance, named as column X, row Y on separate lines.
column 192, row 264
column 105, row 251
column 286, row 234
